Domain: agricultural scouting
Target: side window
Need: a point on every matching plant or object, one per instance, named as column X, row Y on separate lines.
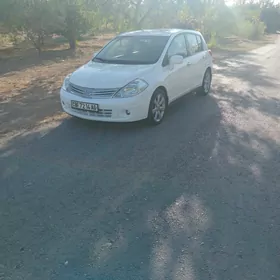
column 178, row 46
column 200, row 43
column 193, row 45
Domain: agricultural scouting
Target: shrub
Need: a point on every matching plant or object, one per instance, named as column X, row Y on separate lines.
column 251, row 29
column 212, row 43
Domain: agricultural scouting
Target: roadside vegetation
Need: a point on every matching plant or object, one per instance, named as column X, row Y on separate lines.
column 35, row 21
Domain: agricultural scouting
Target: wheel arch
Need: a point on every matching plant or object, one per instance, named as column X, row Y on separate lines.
column 209, row 68
column 163, row 89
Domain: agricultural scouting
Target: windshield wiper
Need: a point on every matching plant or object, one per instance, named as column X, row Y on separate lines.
column 98, row 59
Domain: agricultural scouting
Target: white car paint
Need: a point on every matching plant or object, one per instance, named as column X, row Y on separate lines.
column 177, row 79
column 104, row 75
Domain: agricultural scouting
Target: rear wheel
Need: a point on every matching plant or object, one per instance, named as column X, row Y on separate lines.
column 157, row 107
column 206, row 84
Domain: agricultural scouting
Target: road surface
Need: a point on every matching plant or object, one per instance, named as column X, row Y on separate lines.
column 195, row 198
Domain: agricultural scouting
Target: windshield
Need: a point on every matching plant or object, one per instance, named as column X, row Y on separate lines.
column 133, row 50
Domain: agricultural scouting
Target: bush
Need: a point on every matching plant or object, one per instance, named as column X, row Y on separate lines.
column 4, row 40
column 271, row 17
column 212, row 43
column 251, row 30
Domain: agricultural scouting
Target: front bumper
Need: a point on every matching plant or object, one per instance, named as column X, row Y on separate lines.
column 111, row 109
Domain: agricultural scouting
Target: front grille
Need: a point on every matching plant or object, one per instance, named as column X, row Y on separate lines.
column 92, row 92
column 103, row 113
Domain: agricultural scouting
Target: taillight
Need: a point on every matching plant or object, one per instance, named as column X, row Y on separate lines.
column 210, row 52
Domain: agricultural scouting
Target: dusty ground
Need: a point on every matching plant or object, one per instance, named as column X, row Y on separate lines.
column 195, row 198
column 30, row 85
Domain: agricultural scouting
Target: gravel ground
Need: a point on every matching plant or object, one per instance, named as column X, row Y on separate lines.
column 195, row 198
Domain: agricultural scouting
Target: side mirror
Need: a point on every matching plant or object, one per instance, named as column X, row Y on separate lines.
column 176, row 59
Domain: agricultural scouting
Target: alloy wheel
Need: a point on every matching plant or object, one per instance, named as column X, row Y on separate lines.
column 158, row 107
column 207, row 82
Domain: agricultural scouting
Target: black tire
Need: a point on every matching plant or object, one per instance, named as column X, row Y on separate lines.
column 206, row 84
column 158, row 97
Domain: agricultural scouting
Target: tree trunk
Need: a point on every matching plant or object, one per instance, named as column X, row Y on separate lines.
column 72, row 43
column 38, row 45
column 39, row 49
column 42, row 40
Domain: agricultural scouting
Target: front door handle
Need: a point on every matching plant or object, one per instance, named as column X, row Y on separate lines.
column 189, row 64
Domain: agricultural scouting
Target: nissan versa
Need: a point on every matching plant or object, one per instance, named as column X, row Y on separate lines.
column 137, row 75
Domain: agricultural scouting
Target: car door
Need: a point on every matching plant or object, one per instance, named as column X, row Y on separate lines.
column 196, row 59
column 204, row 56
column 175, row 75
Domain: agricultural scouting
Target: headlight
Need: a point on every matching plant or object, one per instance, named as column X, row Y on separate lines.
column 66, row 83
column 131, row 89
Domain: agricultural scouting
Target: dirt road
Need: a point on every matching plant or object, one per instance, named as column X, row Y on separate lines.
column 195, row 198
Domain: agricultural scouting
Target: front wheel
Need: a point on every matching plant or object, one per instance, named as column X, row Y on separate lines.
column 157, row 107
column 206, row 84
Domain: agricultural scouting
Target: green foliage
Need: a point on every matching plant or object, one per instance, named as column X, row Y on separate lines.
column 249, row 24
column 36, row 19
column 212, row 43
column 218, row 21
column 4, row 39
column 33, row 19
column 271, row 17
column 71, row 19
column 251, row 30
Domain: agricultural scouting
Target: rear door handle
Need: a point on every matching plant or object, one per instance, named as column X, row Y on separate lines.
column 189, row 63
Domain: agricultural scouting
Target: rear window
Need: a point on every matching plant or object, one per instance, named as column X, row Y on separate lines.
column 194, row 43
column 200, row 43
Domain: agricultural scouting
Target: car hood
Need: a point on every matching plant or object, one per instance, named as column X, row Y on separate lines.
column 104, row 75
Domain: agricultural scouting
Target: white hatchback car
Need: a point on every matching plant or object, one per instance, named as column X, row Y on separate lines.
column 137, row 75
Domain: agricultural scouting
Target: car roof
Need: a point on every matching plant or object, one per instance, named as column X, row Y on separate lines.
column 157, row 32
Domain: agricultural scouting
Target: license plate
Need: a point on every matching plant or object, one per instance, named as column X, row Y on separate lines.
column 84, row 106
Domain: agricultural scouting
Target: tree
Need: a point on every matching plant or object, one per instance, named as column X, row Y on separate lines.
column 71, row 19
column 270, row 15
column 37, row 21
column 32, row 18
